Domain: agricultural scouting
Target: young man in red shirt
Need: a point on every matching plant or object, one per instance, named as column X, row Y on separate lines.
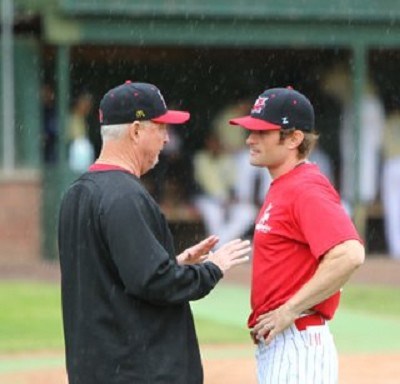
column 305, row 245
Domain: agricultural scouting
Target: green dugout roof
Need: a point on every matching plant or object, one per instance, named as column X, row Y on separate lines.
column 246, row 23
column 342, row 10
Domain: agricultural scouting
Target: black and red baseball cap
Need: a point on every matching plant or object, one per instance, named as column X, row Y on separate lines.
column 137, row 101
column 279, row 108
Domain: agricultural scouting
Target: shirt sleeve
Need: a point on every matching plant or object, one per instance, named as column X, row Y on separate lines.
column 145, row 267
column 322, row 220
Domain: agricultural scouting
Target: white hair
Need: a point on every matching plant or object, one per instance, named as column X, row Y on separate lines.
column 115, row 131
column 110, row 132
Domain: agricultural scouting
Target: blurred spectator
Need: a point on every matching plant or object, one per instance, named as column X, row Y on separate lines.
column 391, row 182
column 372, row 119
column 231, row 189
column 215, row 172
column 50, row 129
column 321, row 158
column 171, row 181
column 81, row 152
column 233, row 140
column 251, row 183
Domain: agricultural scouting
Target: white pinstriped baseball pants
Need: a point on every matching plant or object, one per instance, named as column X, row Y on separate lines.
column 298, row 357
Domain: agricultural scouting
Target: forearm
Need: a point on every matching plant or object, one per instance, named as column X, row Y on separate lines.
column 333, row 272
column 187, row 283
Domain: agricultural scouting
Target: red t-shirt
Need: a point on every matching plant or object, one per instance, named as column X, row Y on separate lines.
column 300, row 220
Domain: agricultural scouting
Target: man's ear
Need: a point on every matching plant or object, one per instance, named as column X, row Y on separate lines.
column 295, row 139
column 134, row 131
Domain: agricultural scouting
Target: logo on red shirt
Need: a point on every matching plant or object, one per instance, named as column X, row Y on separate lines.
column 262, row 224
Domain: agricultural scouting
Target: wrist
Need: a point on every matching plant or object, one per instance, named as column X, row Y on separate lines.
column 293, row 310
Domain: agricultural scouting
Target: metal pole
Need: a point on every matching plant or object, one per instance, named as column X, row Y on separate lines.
column 63, row 84
column 360, row 70
column 7, row 22
column 359, row 80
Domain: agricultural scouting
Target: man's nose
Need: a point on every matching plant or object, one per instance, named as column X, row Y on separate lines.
column 166, row 138
column 250, row 138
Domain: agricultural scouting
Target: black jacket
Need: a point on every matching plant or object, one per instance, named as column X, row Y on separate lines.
column 125, row 300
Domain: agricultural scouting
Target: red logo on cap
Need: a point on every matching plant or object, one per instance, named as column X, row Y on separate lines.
column 259, row 104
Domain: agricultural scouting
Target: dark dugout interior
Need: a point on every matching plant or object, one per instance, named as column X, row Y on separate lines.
column 204, row 80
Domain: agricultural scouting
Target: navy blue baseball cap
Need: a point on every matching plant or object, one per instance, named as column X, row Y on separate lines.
column 137, row 101
column 279, row 108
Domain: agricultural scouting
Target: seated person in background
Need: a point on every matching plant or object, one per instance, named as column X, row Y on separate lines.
column 216, row 174
column 337, row 82
column 391, row 183
column 50, row 126
column 171, row 181
column 322, row 159
column 81, row 151
column 251, row 183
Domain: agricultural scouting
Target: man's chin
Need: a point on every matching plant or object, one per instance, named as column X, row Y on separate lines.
column 155, row 162
column 151, row 166
column 255, row 163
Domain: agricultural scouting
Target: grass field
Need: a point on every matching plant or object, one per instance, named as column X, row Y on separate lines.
column 30, row 317
column 368, row 319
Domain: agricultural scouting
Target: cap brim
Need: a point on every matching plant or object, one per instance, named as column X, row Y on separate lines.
column 172, row 117
column 254, row 124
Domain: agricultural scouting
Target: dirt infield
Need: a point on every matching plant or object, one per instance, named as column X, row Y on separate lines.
column 231, row 364
column 354, row 369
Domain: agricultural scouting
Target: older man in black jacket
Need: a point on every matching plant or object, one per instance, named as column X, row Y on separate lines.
column 125, row 293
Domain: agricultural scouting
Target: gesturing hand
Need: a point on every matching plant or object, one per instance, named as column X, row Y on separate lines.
column 230, row 254
column 198, row 252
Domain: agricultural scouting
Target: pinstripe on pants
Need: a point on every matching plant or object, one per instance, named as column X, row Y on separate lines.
column 294, row 357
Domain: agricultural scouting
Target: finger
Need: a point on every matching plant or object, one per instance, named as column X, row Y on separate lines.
column 260, row 326
column 203, row 243
column 207, row 248
column 270, row 337
column 213, row 242
column 241, row 245
column 208, row 243
column 253, row 337
column 268, row 327
column 213, row 239
column 264, row 330
column 241, row 260
column 240, row 253
column 231, row 246
column 231, row 243
column 263, row 316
